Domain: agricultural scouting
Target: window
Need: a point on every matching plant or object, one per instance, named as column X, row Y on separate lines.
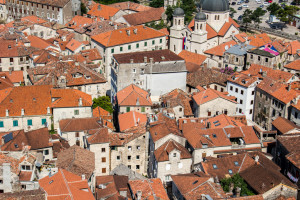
column 112, row 50
column 46, row 152
column 121, row 49
column 1, row 124
column 251, row 102
column 143, row 109
column 44, row 121
column 129, row 47
column 15, row 123
column 137, row 157
column 230, row 171
column 167, row 178
column 242, row 92
column 129, row 148
column 127, row 109
column 138, row 147
column 103, row 150
column 250, row 112
column 241, row 101
column 145, row 44
column 118, row 157
column 236, row 59
column 180, row 109
column 77, row 134
column 29, row 122
column 216, row 87
column 231, row 88
column 103, row 170
column 153, row 42
column 137, row 46
column 76, row 112
column 11, row 59
column 296, row 116
column 208, row 113
column 215, row 166
column 160, row 40
column 134, row 70
column 137, row 167
column 258, row 58
column 240, row 110
column 174, row 154
column 267, row 59
column 103, row 159
column 236, row 90
column 129, row 166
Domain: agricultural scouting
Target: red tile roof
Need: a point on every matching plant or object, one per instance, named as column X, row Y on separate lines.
column 38, row 42
column 66, row 185
column 5, row 82
column 164, row 151
column 33, row 19
column 143, row 17
column 25, row 176
column 243, row 79
column 150, row 188
column 15, row 76
column 259, row 40
column 73, row 45
column 120, row 36
column 78, row 21
column 293, row 47
column 114, row 185
column 98, row 136
column 209, row 94
column 295, row 65
column 128, row 5
column 102, row 11
column 79, row 124
column 220, row 49
column 133, row 95
column 131, row 119
column 192, row 59
column 284, row 125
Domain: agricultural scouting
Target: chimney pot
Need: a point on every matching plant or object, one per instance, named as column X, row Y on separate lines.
column 131, row 60
column 80, row 101
column 22, row 112
column 7, row 112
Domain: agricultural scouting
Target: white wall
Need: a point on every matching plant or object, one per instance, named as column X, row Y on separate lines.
column 66, row 113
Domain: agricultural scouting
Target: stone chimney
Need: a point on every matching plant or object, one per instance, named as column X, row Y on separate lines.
column 128, row 32
column 151, row 60
column 48, row 110
column 139, row 195
column 80, row 101
column 116, row 27
column 82, row 177
column 22, row 112
column 289, row 87
column 135, row 31
column 264, row 74
column 145, row 59
column 7, row 113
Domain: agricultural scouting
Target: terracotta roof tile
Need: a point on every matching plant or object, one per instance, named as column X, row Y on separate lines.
column 25, row 176
column 119, row 139
column 294, row 158
column 241, row 37
column 120, row 36
column 243, row 79
column 150, row 188
column 98, row 136
column 34, row 19
column 284, row 125
column 78, row 21
column 79, row 124
column 143, row 17
column 193, row 58
column 5, row 82
column 38, row 42
column 66, row 185
column 114, row 184
column 220, row 49
column 77, row 160
column 209, row 94
column 73, row 45
column 102, row 11
column 293, row 47
column 131, row 119
column 259, row 40
column 133, row 95
column 290, row 142
column 15, row 76
column 128, row 5
column 295, row 65
column 162, row 153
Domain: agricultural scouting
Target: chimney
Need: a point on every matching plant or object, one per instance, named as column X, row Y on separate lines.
column 128, row 32
column 6, row 112
column 76, row 64
column 205, row 65
column 139, row 195
column 151, row 60
column 116, row 26
column 82, row 177
column 80, row 101
column 135, row 31
column 48, row 110
column 131, row 60
column 264, row 74
column 256, row 159
column 145, row 59
column 22, row 112
column 289, row 87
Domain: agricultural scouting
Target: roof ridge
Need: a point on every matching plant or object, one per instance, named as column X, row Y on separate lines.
column 242, row 162
column 111, row 32
column 66, row 182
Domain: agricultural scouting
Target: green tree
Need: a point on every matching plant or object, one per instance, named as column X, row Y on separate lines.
column 158, row 26
column 257, row 14
column 103, row 102
column 273, row 8
column 232, row 12
column 169, row 13
column 286, row 14
column 189, row 8
column 237, row 181
column 83, row 9
column 247, row 18
column 157, row 3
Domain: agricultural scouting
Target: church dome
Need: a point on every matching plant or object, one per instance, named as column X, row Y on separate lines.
column 215, row 5
column 178, row 12
column 200, row 16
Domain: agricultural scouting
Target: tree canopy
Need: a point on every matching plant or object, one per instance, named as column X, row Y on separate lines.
column 257, row 14
column 83, row 9
column 237, row 181
column 157, row 3
column 247, row 17
column 103, row 102
column 283, row 14
column 107, row 2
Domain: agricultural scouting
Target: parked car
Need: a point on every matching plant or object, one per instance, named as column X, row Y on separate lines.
column 239, row 3
column 266, row 3
column 240, row 8
column 233, row 3
column 259, row 2
column 245, row 6
column 261, row 6
column 240, row 17
column 247, row 1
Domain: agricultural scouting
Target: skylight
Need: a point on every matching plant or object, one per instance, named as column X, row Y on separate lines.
column 215, row 166
column 230, row 171
column 236, row 163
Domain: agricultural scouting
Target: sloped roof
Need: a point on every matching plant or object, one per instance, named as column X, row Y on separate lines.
column 78, row 124
column 129, row 5
column 209, row 94
column 5, row 82
column 220, row 49
column 284, row 125
column 78, row 21
column 133, row 95
column 192, row 59
column 131, row 119
column 66, row 185
column 99, row 136
column 143, row 17
column 295, row 65
column 102, row 11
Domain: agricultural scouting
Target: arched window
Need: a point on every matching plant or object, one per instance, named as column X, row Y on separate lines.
column 215, row 17
column 178, row 22
column 200, row 26
column 197, row 27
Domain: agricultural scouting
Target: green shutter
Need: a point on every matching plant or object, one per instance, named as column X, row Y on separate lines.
column 153, row 42
column 129, row 47
column 112, row 50
column 29, row 122
column 44, row 121
column 160, row 41
column 15, row 123
column 127, row 109
column 137, row 46
column 143, row 109
column 121, row 48
column 145, row 44
column 1, row 124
